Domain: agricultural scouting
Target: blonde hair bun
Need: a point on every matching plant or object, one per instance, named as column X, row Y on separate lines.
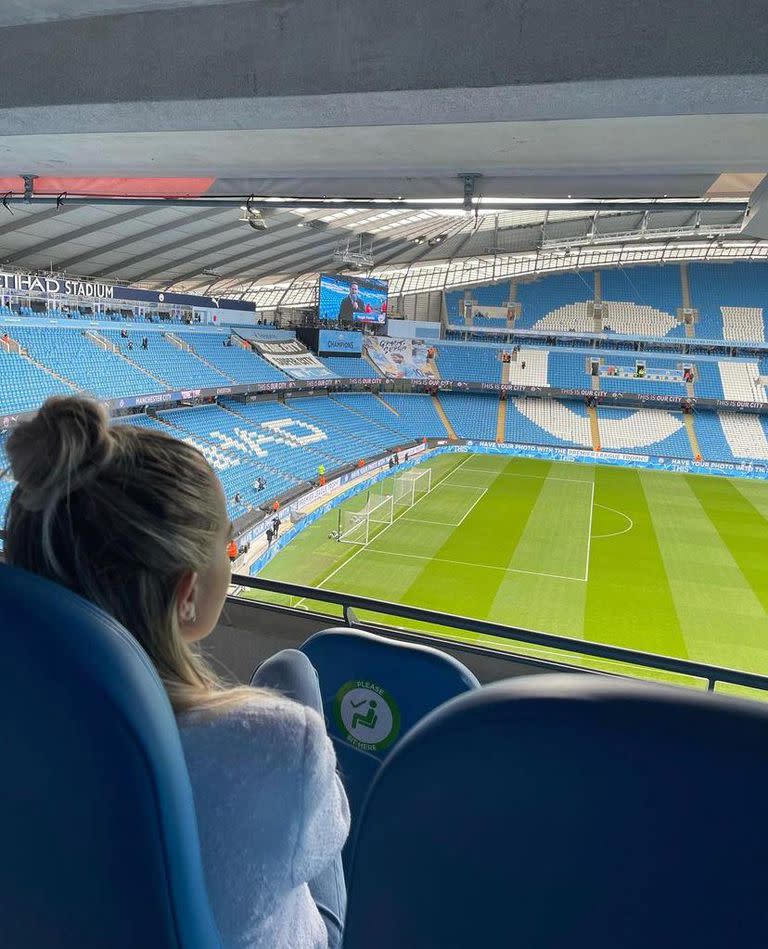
column 66, row 443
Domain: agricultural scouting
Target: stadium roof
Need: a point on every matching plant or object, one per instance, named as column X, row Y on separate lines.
column 199, row 249
column 225, row 98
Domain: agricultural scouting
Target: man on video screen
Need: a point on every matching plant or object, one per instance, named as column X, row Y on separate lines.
column 351, row 304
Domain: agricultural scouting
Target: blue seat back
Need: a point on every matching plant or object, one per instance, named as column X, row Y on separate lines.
column 568, row 812
column 374, row 691
column 99, row 838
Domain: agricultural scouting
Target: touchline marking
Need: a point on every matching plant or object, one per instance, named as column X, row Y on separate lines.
column 466, row 563
column 615, row 533
column 589, row 531
column 395, row 518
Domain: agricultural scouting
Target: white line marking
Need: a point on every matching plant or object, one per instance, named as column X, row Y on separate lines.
column 395, row 518
column 614, row 533
column 473, row 506
column 421, row 520
column 515, row 474
column 589, row 531
column 482, row 566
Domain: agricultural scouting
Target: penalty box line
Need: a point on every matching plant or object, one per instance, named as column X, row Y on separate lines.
column 513, row 474
column 446, row 484
column 467, row 563
column 397, row 517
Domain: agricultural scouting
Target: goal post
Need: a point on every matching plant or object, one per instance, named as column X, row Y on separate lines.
column 412, row 485
column 360, row 526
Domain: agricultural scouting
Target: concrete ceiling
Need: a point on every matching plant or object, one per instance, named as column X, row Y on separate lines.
column 364, row 98
column 22, row 12
column 372, row 97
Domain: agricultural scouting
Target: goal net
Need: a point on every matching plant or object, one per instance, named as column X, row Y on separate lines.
column 412, row 485
column 361, row 526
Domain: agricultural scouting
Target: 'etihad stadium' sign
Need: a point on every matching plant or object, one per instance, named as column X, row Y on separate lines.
column 31, row 283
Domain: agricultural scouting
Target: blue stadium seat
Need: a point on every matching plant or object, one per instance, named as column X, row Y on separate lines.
column 568, row 811
column 414, row 679
column 99, row 837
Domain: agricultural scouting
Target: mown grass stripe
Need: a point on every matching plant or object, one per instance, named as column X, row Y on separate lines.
column 488, row 536
column 629, row 601
column 720, row 616
column 740, row 526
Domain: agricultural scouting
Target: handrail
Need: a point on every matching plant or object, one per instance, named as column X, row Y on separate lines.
column 683, row 667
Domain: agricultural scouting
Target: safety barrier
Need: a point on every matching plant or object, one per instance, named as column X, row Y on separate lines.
column 562, row 646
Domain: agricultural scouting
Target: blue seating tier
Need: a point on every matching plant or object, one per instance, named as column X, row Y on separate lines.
column 350, row 367
column 659, row 287
column 472, row 416
column 164, row 360
column 81, row 362
column 235, row 362
column 549, row 293
column 469, row 362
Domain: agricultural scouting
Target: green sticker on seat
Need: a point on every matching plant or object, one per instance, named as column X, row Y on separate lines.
column 366, row 715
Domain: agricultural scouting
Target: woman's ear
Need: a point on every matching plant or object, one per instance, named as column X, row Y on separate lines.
column 186, row 598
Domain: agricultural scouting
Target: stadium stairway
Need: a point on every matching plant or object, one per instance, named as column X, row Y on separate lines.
column 444, row 418
column 98, row 339
column 374, row 368
column 691, row 428
column 385, row 404
column 183, row 344
column 25, row 354
column 501, row 423
column 594, row 427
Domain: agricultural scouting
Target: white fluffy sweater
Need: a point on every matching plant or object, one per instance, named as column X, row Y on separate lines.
column 272, row 813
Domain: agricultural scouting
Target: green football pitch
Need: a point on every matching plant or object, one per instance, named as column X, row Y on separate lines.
column 655, row 561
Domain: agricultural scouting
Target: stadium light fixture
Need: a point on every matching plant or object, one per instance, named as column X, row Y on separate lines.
column 252, row 216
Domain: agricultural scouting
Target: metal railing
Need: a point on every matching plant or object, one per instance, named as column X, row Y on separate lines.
column 711, row 675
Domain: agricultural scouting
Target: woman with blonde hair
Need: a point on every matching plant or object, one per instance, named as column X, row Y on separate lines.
column 136, row 522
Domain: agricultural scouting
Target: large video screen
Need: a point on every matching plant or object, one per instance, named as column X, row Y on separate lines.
column 352, row 300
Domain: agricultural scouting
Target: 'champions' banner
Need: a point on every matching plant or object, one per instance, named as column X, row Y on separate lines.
column 341, row 342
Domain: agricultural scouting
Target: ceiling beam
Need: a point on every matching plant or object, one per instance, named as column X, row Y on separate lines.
column 310, row 258
column 184, row 241
column 331, row 234
column 400, row 249
column 244, row 234
column 489, row 204
column 141, row 236
column 37, row 217
column 79, row 232
column 283, row 256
